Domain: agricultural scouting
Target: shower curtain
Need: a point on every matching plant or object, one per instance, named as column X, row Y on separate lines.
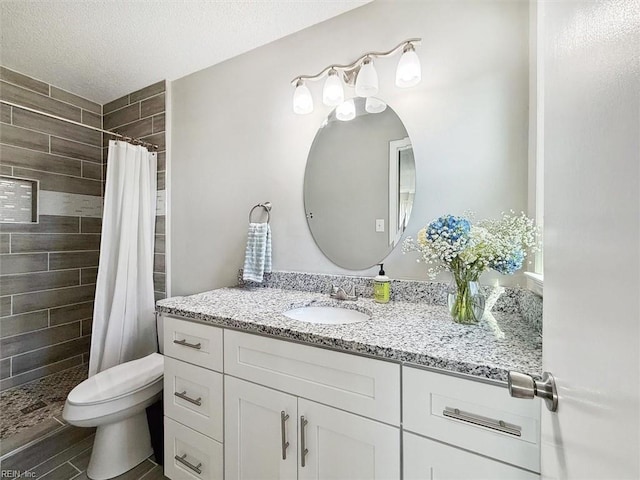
column 124, row 325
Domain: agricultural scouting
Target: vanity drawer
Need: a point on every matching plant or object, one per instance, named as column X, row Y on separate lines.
column 193, row 342
column 193, row 397
column 469, row 414
column 190, row 455
column 362, row 385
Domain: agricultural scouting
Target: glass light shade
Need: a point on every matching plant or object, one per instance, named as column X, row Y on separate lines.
column 346, row 111
column 367, row 80
column 408, row 73
column 302, row 99
column 374, row 105
column 333, row 92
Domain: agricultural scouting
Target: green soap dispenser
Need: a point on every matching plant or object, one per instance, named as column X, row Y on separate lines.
column 381, row 286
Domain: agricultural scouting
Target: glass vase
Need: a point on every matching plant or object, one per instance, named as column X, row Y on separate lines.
column 465, row 299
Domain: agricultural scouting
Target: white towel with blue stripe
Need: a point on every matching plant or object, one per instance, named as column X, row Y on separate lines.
column 257, row 258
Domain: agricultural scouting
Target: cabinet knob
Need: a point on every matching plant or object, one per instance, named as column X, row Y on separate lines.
column 522, row 385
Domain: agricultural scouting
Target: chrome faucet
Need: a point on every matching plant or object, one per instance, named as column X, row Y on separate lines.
column 343, row 293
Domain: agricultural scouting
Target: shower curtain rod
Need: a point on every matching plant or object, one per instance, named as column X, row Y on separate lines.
column 115, row 134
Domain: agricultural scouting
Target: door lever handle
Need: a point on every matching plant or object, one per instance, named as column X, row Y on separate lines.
column 522, row 385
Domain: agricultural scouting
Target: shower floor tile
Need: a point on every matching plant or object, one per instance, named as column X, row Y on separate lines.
column 36, row 405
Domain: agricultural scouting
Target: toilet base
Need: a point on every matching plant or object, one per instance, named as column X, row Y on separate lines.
column 119, row 446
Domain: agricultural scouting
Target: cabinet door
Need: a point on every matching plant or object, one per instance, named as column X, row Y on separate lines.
column 345, row 446
column 254, row 430
column 426, row 459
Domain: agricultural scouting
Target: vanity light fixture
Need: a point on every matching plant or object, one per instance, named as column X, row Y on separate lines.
column 346, row 110
column 361, row 74
column 374, row 105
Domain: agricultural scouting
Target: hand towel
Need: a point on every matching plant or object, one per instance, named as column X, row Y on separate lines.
column 257, row 258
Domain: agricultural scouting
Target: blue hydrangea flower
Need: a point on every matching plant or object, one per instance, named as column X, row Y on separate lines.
column 508, row 265
column 450, row 228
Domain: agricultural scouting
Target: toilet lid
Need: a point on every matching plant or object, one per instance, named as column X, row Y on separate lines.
column 120, row 380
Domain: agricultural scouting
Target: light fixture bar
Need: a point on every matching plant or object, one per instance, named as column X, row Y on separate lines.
column 358, row 62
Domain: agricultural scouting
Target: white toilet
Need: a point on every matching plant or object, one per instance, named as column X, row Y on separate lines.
column 115, row 400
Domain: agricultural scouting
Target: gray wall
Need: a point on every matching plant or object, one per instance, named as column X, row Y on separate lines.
column 48, row 270
column 141, row 114
column 236, row 141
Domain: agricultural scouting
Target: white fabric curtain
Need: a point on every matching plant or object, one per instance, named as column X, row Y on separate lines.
column 124, row 325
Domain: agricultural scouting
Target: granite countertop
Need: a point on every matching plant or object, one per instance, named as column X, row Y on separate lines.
column 412, row 332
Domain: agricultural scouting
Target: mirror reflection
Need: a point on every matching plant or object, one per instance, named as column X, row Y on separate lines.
column 359, row 183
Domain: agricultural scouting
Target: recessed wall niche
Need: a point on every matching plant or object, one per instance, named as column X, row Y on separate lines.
column 18, row 200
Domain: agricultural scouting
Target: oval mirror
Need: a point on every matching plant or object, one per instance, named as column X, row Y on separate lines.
column 359, row 183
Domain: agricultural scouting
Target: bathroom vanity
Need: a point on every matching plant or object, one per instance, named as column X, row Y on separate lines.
column 250, row 393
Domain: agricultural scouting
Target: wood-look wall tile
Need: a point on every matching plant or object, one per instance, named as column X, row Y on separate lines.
column 23, row 263
column 46, row 224
column 152, row 106
column 159, row 246
column 115, row 104
column 52, row 126
column 92, row 119
column 5, row 113
column 19, row 324
column 5, row 244
column 58, row 242
column 159, row 282
column 21, row 137
column 29, row 302
column 159, row 262
column 161, row 176
column 88, row 275
column 46, row 355
column 146, row 92
column 68, row 148
column 90, row 225
column 160, row 224
column 30, row 99
column 5, row 306
column 50, row 369
column 36, row 160
column 33, row 282
column 24, row 81
column 120, row 117
column 92, row 170
column 62, row 260
column 71, row 313
column 20, row 344
column 162, row 161
column 5, row 370
column 159, row 123
column 156, row 139
column 137, row 129
column 87, row 326
column 75, row 100
column 6, row 170
column 61, row 183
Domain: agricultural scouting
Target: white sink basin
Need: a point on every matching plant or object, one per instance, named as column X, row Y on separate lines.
column 327, row 315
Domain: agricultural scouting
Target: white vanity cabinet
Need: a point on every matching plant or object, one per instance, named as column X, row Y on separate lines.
column 288, row 434
column 193, row 401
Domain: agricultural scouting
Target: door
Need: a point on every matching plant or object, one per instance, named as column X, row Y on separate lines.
column 344, row 446
column 592, row 241
column 256, row 434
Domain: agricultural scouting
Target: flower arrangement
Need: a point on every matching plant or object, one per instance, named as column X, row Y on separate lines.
column 467, row 250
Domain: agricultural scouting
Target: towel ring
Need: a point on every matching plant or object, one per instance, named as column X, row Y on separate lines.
column 267, row 208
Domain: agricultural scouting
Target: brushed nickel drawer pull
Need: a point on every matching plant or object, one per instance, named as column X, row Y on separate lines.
column 184, row 343
column 303, row 448
column 183, row 396
column 283, row 431
column 182, row 460
column 498, row 425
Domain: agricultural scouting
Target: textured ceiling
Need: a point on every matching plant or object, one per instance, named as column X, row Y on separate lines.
column 103, row 49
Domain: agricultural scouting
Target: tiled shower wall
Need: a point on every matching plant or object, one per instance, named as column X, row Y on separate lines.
column 141, row 114
column 48, row 270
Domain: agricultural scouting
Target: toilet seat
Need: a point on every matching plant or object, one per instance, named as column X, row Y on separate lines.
column 121, row 380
